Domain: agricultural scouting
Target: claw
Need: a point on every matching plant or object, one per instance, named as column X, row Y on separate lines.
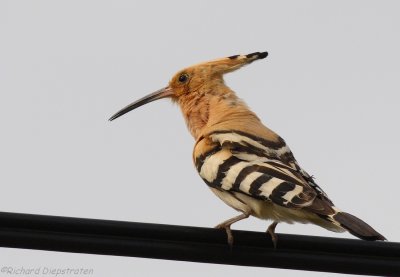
column 271, row 232
column 227, row 226
column 228, row 233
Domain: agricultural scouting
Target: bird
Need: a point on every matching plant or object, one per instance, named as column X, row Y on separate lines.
column 243, row 162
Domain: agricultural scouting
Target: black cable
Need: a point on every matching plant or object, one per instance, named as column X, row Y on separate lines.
column 106, row 237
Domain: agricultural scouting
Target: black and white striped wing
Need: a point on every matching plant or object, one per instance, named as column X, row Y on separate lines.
column 277, row 153
column 239, row 164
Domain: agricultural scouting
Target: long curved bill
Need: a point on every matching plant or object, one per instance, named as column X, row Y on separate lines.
column 162, row 93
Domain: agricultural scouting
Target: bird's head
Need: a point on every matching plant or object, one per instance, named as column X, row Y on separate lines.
column 190, row 81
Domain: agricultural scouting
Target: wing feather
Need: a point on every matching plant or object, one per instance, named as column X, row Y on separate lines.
column 241, row 164
column 278, row 153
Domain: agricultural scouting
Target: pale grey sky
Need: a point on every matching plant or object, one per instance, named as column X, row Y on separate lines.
column 330, row 87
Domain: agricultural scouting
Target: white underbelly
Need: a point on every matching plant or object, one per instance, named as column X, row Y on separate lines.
column 267, row 210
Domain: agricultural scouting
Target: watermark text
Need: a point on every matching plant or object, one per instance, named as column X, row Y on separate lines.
column 46, row 271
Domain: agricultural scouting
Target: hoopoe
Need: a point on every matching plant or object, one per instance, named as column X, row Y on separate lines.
column 244, row 163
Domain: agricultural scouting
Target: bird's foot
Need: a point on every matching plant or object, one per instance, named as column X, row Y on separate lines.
column 227, row 226
column 228, row 233
column 271, row 232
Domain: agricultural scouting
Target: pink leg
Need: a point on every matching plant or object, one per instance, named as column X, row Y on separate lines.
column 271, row 231
column 227, row 226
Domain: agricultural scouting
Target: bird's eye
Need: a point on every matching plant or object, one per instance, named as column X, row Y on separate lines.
column 183, row 78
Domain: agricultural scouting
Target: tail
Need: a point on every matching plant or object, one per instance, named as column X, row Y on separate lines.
column 357, row 227
column 352, row 224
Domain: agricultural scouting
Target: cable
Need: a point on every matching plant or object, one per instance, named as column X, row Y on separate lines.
column 195, row 244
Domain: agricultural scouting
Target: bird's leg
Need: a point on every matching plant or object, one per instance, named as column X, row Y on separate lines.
column 227, row 226
column 271, row 231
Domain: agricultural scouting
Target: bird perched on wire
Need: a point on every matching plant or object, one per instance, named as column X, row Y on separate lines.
column 244, row 163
